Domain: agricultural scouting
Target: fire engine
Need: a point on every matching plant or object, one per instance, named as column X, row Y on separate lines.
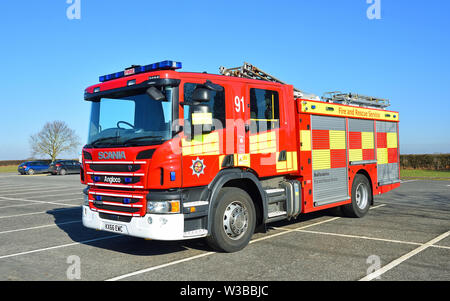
column 178, row 155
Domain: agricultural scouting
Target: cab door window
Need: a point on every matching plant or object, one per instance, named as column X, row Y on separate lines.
column 264, row 110
column 216, row 103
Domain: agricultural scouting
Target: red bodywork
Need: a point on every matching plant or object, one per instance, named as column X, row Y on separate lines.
column 256, row 154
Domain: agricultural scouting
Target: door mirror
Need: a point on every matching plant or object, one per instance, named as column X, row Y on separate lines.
column 156, row 94
column 212, row 86
column 201, row 95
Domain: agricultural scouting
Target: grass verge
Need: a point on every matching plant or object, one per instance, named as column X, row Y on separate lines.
column 8, row 168
column 425, row 174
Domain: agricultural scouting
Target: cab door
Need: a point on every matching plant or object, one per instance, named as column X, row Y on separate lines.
column 265, row 117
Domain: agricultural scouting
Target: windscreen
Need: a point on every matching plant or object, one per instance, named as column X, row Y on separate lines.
column 131, row 121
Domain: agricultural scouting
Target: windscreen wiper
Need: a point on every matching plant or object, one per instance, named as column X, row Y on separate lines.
column 103, row 140
column 135, row 139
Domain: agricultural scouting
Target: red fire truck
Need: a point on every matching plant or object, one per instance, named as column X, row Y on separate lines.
column 177, row 155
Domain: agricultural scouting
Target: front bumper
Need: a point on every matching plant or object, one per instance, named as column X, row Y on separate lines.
column 150, row 226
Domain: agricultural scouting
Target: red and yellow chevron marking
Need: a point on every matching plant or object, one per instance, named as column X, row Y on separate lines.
column 289, row 165
column 201, row 145
column 328, row 149
column 263, row 143
column 387, row 148
column 361, row 146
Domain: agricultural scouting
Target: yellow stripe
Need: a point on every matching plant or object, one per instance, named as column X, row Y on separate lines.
column 321, row 159
column 305, row 140
column 263, row 143
column 337, row 139
column 392, row 140
column 382, row 155
column 347, row 111
column 267, row 136
column 355, row 154
column 367, row 140
column 289, row 165
column 201, row 145
column 294, row 161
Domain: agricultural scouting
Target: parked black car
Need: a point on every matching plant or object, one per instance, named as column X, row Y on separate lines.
column 33, row 167
column 63, row 167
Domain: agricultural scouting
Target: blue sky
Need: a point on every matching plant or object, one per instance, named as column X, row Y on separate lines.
column 48, row 60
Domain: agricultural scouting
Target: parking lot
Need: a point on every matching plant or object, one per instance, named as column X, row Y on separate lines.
column 405, row 236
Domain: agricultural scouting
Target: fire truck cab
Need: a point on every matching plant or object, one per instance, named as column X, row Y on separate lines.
column 177, row 155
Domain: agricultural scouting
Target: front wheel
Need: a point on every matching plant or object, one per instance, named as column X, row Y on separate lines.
column 234, row 220
column 361, row 197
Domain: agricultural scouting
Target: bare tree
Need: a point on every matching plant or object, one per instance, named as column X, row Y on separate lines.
column 54, row 138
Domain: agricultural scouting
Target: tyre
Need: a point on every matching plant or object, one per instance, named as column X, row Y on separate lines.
column 361, row 197
column 63, row 172
column 30, row 172
column 233, row 220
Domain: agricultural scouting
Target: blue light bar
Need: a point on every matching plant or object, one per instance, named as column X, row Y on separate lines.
column 164, row 65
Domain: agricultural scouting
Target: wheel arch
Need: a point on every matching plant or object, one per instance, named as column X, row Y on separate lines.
column 369, row 178
column 245, row 180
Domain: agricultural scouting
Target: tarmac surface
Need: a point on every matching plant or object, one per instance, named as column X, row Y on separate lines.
column 405, row 236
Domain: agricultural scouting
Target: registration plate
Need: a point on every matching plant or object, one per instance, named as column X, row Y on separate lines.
column 115, row 228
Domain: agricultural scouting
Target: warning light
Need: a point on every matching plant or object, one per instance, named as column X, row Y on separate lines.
column 164, row 65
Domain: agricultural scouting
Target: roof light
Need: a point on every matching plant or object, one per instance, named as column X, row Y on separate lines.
column 164, row 65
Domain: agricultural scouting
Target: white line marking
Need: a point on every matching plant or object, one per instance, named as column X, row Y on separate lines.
column 286, row 231
column 34, row 213
column 399, row 260
column 38, row 202
column 62, row 188
column 57, row 247
column 160, row 266
column 407, row 181
column 208, row 253
column 360, row 237
column 41, row 196
column 440, row 247
column 39, row 227
column 37, row 185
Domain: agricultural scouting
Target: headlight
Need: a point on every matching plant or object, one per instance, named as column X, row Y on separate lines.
column 86, row 200
column 163, row 206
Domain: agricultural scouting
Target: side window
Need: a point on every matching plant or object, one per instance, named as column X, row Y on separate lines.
column 264, row 110
column 216, row 103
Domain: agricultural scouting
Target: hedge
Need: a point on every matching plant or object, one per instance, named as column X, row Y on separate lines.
column 435, row 162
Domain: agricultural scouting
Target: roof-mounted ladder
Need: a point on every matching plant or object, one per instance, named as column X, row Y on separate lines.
column 252, row 72
column 356, row 100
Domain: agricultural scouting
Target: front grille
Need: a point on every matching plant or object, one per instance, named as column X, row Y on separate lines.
column 120, row 200
column 115, row 167
column 116, row 208
column 115, row 179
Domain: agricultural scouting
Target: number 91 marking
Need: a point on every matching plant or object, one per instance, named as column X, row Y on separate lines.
column 239, row 102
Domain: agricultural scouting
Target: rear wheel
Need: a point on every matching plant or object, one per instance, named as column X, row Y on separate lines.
column 234, row 220
column 361, row 197
column 63, row 172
